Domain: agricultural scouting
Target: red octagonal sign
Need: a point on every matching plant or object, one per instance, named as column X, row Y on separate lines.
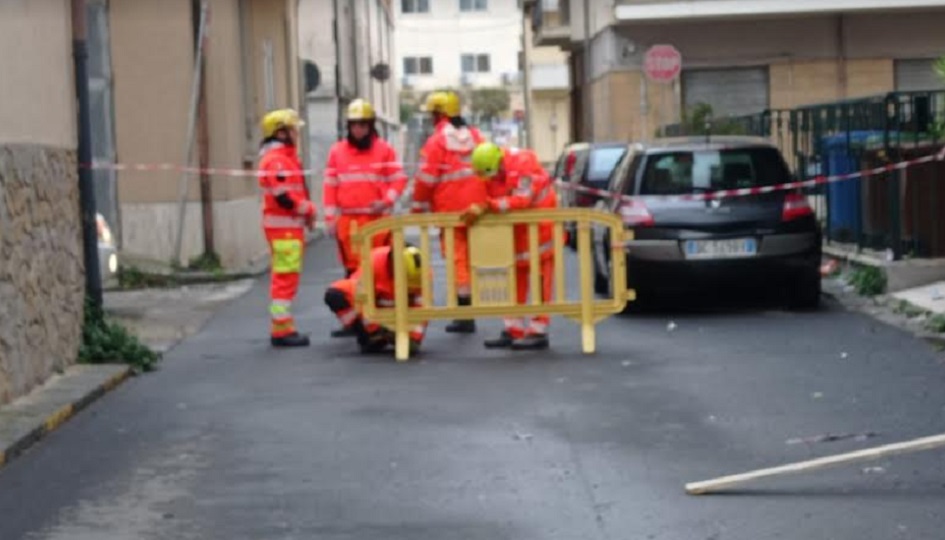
column 662, row 63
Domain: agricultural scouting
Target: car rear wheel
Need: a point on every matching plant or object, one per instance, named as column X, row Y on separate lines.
column 804, row 292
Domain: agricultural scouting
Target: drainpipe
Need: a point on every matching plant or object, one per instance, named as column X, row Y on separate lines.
column 340, row 125
column 80, row 54
column 586, row 94
column 842, row 83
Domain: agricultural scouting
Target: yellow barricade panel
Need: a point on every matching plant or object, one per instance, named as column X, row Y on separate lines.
column 492, row 260
column 492, row 265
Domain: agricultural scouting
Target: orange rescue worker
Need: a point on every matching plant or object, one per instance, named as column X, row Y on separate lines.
column 287, row 212
column 517, row 181
column 339, row 297
column 363, row 180
column 447, row 183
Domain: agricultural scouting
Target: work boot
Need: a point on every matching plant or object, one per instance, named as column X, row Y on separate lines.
column 294, row 339
column 461, row 326
column 374, row 343
column 504, row 341
column 533, row 342
column 344, row 332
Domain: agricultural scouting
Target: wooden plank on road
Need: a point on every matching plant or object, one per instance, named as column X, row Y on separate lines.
column 868, row 454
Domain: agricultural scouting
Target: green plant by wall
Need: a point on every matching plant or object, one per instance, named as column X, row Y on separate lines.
column 936, row 323
column 699, row 120
column 868, row 281
column 106, row 342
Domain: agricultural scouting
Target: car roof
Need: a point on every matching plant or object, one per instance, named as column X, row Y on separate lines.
column 703, row 143
column 594, row 146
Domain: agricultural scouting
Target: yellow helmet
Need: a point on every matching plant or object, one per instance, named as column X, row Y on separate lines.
column 443, row 102
column 414, row 267
column 360, row 110
column 280, row 119
column 487, row 159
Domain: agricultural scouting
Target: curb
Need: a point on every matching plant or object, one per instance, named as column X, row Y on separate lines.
column 60, row 416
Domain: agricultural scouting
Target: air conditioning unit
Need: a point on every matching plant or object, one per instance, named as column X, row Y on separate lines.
column 406, row 82
column 467, row 79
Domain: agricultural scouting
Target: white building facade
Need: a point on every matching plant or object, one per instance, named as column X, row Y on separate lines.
column 457, row 43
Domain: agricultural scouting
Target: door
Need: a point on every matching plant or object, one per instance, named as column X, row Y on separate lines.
column 730, row 92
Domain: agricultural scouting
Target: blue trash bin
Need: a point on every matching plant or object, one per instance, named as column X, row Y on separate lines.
column 841, row 154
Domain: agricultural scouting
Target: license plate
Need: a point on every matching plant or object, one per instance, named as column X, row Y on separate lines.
column 721, row 249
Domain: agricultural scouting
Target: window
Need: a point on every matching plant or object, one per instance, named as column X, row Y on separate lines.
column 603, row 161
column 685, row 172
column 418, row 65
column 475, row 63
column 473, row 5
column 415, row 6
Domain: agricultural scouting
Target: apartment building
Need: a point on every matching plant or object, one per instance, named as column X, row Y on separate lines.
column 359, row 63
column 548, row 88
column 739, row 56
column 458, row 44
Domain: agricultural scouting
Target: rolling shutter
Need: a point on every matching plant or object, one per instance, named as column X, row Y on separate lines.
column 730, row 92
column 916, row 75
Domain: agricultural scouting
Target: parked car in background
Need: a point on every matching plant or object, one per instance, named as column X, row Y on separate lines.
column 107, row 250
column 587, row 165
column 771, row 240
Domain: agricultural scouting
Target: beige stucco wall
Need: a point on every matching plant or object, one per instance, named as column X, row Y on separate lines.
column 36, row 97
column 153, row 64
column 41, row 272
column 794, row 84
column 152, row 55
column 618, row 105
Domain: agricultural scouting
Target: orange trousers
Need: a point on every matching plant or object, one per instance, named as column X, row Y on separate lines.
column 539, row 324
column 349, row 254
column 461, row 260
column 348, row 315
column 286, row 248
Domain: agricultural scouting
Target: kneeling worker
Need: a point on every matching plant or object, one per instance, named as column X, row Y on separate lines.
column 373, row 337
column 517, row 181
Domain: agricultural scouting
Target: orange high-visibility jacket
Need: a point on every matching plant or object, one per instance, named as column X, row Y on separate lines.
column 446, row 181
column 524, row 185
column 354, row 179
column 282, row 174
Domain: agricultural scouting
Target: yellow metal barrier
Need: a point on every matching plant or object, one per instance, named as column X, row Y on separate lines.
column 492, row 268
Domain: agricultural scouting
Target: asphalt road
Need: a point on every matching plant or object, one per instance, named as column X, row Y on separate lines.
column 232, row 440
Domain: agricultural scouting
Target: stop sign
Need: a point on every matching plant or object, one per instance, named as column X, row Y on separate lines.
column 662, row 63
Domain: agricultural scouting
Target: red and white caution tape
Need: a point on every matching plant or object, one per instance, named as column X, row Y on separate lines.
column 744, row 192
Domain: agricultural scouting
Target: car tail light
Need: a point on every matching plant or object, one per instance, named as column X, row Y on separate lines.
column 569, row 164
column 634, row 213
column 795, row 207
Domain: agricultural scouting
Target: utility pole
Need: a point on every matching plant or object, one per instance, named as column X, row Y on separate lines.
column 80, row 53
column 526, row 79
column 203, row 143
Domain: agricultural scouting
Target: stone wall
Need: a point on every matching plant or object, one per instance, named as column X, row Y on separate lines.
column 41, row 265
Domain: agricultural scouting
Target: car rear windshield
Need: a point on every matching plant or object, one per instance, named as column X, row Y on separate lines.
column 679, row 173
column 603, row 161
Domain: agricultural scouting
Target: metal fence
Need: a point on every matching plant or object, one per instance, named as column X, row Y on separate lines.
column 899, row 212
